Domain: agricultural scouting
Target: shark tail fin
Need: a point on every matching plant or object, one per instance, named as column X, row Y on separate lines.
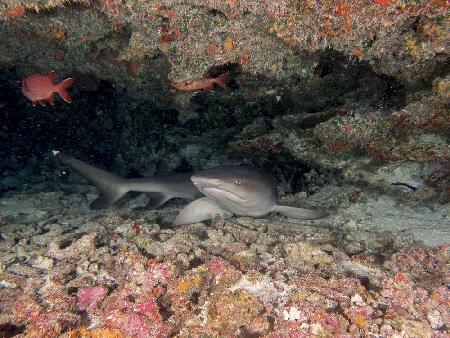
column 300, row 213
column 110, row 186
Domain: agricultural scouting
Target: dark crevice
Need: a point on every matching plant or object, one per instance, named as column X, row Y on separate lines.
column 196, row 262
column 72, row 290
column 85, row 320
column 271, row 321
column 195, row 298
column 130, row 298
column 246, row 333
column 164, row 308
column 216, row 12
column 340, row 311
column 9, row 330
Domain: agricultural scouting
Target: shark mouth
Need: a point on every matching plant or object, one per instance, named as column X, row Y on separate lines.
column 214, row 188
column 212, row 192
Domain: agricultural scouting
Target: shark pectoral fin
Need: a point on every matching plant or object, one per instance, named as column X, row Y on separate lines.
column 300, row 213
column 106, row 199
column 201, row 209
column 155, row 200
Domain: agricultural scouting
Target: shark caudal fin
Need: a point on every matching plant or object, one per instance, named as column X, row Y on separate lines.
column 61, row 89
column 300, row 213
column 110, row 186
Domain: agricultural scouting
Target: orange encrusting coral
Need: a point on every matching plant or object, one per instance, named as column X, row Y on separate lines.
column 383, row 2
column 57, row 34
column 358, row 53
column 212, row 48
column 169, row 33
column 228, row 45
column 16, row 12
column 245, row 57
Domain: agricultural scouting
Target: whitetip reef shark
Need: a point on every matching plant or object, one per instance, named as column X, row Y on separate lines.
column 226, row 191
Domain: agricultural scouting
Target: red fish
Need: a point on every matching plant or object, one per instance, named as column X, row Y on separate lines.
column 40, row 88
column 206, row 83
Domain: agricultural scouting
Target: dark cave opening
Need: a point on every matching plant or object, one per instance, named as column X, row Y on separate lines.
column 106, row 127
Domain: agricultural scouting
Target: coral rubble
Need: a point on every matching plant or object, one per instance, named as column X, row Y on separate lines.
column 237, row 277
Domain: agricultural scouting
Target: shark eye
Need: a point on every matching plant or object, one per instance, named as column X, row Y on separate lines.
column 238, row 181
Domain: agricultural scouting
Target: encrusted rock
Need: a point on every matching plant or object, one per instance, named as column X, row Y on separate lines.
column 23, row 270
column 301, row 254
column 84, row 246
column 42, row 262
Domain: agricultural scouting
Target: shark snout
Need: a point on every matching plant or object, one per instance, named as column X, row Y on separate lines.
column 201, row 182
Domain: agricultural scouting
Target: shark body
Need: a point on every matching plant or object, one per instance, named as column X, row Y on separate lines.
column 238, row 190
column 112, row 187
column 226, row 191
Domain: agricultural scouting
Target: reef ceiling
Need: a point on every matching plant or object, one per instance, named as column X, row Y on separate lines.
column 140, row 45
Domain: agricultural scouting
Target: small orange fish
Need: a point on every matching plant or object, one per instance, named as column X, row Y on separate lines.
column 40, row 88
column 206, row 83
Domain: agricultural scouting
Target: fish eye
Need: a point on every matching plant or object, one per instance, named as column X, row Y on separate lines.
column 238, row 181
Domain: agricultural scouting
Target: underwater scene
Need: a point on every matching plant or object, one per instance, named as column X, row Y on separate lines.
column 232, row 168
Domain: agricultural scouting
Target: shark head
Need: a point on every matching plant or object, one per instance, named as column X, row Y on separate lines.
column 241, row 190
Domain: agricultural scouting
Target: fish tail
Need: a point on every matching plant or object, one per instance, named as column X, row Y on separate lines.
column 61, row 89
column 110, row 186
column 222, row 80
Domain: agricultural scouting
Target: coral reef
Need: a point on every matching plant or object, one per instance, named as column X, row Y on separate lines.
column 396, row 38
column 346, row 103
column 367, row 146
column 241, row 276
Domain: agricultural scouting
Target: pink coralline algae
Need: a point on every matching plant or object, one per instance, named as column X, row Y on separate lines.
column 39, row 320
column 90, row 298
column 217, row 267
column 222, row 271
column 165, row 297
column 422, row 264
column 133, row 312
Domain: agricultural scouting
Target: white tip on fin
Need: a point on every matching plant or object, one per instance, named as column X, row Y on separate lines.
column 55, row 152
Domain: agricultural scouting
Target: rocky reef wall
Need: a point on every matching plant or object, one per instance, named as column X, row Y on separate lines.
column 347, row 91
